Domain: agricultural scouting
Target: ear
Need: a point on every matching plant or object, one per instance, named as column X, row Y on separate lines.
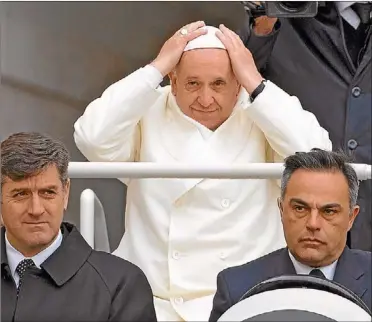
column 173, row 81
column 353, row 213
column 66, row 194
column 280, row 206
column 238, row 89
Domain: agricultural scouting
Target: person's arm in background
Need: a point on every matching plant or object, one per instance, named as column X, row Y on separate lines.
column 259, row 36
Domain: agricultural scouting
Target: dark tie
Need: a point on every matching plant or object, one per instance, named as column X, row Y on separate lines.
column 21, row 269
column 356, row 39
column 317, row 273
column 363, row 10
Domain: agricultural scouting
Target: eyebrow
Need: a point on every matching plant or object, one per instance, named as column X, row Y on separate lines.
column 215, row 79
column 304, row 203
column 51, row 187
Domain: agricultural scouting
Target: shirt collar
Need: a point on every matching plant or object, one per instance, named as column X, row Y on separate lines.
column 342, row 5
column 15, row 257
column 328, row 271
column 348, row 14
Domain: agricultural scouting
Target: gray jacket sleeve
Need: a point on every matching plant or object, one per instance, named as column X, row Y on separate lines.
column 259, row 46
column 133, row 301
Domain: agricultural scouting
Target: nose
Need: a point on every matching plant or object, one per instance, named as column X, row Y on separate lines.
column 314, row 220
column 205, row 97
column 36, row 207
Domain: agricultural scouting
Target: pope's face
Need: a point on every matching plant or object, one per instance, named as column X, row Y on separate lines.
column 205, row 86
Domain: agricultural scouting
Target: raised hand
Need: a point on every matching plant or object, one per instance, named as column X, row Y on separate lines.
column 172, row 49
column 241, row 58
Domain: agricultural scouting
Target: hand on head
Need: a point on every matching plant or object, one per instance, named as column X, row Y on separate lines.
column 241, row 58
column 172, row 49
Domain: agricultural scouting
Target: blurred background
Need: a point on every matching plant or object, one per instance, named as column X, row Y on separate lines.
column 56, row 57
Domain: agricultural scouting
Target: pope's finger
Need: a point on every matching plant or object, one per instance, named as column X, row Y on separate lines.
column 193, row 26
column 226, row 41
column 235, row 39
column 196, row 33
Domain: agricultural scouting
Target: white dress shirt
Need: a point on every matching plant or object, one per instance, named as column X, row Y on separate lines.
column 328, row 271
column 15, row 257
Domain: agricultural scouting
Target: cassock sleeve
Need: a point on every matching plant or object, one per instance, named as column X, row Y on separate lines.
column 288, row 128
column 109, row 129
column 221, row 301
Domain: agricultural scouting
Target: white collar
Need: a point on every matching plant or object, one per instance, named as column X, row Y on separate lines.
column 348, row 14
column 328, row 271
column 203, row 130
column 15, row 257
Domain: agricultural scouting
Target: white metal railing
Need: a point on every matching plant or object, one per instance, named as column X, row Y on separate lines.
column 92, row 215
column 179, row 170
column 93, row 225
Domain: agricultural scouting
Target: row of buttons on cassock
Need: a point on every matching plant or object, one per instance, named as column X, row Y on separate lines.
column 225, row 203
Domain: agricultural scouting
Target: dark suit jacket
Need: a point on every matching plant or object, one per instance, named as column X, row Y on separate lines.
column 309, row 58
column 313, row 53
column 77, row 283
column 353, row 271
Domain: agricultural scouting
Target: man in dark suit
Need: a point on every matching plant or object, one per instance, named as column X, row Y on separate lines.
column 318, row 208
column 48, row 271
column 326, row 61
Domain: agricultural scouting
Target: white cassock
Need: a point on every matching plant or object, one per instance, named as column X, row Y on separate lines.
column 183, row 232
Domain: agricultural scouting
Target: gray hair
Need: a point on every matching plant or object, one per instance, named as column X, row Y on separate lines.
column 26, row 154
column 320, row 160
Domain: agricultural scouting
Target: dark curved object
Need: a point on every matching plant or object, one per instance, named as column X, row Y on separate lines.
column 289, row 316
column 293, row 6
column 306, row 281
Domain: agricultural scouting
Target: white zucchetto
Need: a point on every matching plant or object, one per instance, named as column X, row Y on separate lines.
column 209, row 40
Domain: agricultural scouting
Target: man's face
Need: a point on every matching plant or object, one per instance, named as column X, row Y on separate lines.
column 316, row 216
column 205, row 86
column 32, row 210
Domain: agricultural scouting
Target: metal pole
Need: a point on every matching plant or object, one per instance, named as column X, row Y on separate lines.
column 87, row 216
column 93, row 225
column 179, row 170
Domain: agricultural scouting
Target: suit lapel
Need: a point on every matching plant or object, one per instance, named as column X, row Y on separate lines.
column 4, row 257
column 281, row 264
column 350, row 274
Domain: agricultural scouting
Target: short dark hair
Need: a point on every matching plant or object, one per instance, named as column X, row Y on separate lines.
column 321, row 160
column 26, row 154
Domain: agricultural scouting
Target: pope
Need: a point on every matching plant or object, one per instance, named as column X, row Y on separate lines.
column 218, row 109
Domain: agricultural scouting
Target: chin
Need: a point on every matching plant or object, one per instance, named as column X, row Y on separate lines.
column 211, row 126
column 40, row 238
column 310, row 256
